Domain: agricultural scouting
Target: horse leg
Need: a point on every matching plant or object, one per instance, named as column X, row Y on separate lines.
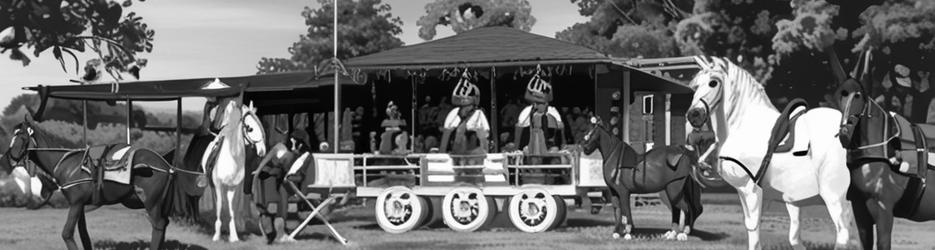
column 231, row 225
column 678, row 214
column 864, row 219
column 218, row 207
column 839, row 216
column 670, row 235
column 626, row 219
column 794, row 226
column 883, row 218
column 751, row 199
column 83, row 232
column 159, row 222
column 614, row 200
column 68, row 233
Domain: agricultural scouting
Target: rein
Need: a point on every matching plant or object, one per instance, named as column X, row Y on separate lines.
column 866, row 113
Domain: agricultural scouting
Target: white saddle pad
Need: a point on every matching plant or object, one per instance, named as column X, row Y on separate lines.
column 121, row 175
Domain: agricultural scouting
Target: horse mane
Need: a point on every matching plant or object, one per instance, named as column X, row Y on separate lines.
column 746, row 88
column 232, row 132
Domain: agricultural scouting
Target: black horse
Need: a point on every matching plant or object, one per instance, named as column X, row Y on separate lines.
column 150, row 183
column 877, row 148
column 664, row 168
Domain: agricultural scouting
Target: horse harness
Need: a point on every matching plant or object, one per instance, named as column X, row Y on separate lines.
column 784, row 127
column 99, row 163
column 893, row 155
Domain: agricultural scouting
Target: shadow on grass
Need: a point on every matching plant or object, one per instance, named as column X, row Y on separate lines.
column 141, row 244
column 587, row 222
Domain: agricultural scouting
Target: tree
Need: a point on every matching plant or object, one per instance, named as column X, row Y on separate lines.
column 366, row 26
column 624, row 28
column 72, row 26
column 464, row 15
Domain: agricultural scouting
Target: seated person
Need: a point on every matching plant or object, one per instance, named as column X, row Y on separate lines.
column 393, row 125
column 466, row 123
column 540, row 129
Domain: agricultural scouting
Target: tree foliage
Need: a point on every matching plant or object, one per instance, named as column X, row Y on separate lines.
column 69, row 27
column 804, row 34
column 365, row 26
column 464, row 15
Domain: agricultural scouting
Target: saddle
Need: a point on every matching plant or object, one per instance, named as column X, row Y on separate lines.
column 790, row 144
column 212, row 156
column 107, row 162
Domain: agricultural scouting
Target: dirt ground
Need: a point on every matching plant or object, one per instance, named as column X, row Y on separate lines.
column 720, row 227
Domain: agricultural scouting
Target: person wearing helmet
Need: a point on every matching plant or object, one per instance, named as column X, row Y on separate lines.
column 466, row 123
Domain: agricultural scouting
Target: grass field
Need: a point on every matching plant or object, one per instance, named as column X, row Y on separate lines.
column 720, row 227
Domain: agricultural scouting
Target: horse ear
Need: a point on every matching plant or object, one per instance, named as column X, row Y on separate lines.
column 28, row 117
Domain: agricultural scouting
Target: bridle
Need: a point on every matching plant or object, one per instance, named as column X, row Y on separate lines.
column 29, row 147
column 865, row 112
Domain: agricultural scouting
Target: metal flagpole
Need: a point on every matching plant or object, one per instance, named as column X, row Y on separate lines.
column 337, row 83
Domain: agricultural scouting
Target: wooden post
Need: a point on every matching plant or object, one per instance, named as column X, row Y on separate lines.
column 129, row 115
column 84, row 122
column 412, row 113
column 625, row 111
column 177, row 161
column 494, row 115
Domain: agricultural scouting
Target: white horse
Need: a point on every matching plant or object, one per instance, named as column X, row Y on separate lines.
column 743, row 118
column 240, row 127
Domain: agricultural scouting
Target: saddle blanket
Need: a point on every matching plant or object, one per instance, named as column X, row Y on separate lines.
column 115, row 173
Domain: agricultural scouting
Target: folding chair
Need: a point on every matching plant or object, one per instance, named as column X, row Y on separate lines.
column 333, row 180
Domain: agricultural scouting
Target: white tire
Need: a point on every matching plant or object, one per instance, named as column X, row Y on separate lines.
column 399, row 210
column 533, row 210
column 466, row 209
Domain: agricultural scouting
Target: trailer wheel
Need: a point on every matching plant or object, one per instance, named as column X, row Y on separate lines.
column 534, row 210
column 466, row 209
column 399, row 210
column 561, row 208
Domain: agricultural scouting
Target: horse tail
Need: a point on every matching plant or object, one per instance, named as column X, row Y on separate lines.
column 780, row 130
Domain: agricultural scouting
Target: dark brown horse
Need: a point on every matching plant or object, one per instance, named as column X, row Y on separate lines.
column 150, row 182
column 879, row 191
column 665, row 168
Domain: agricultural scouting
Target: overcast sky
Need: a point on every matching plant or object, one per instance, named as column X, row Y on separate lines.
column 216, row 38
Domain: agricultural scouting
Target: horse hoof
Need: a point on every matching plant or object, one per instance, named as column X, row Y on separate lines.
column 670, row 235
column 232, row 240
column 216, row 237
column 627, row 237
column 616, row 236
column 682, row 237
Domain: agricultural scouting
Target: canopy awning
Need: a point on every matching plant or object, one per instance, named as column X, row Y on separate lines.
column 504, row 47
column 160, row 90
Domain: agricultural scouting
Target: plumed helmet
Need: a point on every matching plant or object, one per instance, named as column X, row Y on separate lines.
column 465, row 92
column 538, row 90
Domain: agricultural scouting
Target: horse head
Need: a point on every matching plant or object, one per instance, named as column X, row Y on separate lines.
column 708, row 85
column 253, row 129
column 592, row 140
column 20, row 142
column 855, row 106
